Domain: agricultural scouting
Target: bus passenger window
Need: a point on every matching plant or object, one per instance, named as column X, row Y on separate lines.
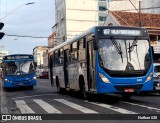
column 74, row 52
column 61, row 58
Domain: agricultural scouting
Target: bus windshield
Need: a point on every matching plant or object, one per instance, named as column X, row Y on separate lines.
column 19, row 67
column 124, row 55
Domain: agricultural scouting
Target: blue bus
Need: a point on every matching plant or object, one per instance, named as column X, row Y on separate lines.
column 104, row 59
column 18, row 70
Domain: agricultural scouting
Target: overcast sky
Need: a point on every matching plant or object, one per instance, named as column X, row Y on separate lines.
column 31, row 20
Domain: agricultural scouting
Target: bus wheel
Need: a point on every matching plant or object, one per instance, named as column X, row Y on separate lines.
column 83, row 93
column 59, row 89
column 127, row 96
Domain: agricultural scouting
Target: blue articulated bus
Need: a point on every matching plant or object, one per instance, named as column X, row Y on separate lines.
column 104, row 59
column 18, row 71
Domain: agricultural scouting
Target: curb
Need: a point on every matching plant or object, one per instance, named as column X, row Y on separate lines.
column 4, row 109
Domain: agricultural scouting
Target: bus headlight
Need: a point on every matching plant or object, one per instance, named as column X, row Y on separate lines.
column 104, row 79
column 7, row 80
column 149, row 77
column 34, row 77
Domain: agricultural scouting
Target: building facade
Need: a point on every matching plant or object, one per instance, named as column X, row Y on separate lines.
column 2, row 54
column 39, row 53
column 150, row 6
column 124, row 5
column 52, row 40
column 76, row 16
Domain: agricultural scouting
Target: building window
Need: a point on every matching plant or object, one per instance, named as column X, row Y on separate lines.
column 102, row 8
column 102, row 18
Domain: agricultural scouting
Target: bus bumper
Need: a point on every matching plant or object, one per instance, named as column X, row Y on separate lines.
column 19, row 84
column 115, row 88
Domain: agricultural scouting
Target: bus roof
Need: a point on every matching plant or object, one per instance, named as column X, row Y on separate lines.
column 93, row 30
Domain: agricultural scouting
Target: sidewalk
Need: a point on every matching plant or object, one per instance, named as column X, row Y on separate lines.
column 3, row 100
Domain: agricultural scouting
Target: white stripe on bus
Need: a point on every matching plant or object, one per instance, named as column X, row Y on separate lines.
column 47, row 107
column 76, row 106
column 24, row 108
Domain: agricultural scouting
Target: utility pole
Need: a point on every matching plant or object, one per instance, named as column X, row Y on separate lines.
column 140, row 13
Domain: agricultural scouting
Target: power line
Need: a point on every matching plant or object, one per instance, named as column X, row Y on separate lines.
column 133, row 5
column 27, row 36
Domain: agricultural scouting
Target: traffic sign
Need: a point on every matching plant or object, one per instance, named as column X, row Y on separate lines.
column 1, row 25
column 1, row 33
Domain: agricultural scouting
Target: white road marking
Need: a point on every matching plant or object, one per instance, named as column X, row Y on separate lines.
column 76, row 106
column 47, row 107
column 23, row 107
column 148, row 107
column 33, row 96
column 120, row 110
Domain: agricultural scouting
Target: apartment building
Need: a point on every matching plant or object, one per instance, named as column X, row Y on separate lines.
column 3, row 53
column 38, row 53
column 76, row 16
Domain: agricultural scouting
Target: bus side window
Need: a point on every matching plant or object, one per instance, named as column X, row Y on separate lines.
column 56, row 58
column 61, row 58
column 74, row 52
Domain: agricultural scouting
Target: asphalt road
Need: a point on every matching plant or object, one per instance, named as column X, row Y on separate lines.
column 44, row 99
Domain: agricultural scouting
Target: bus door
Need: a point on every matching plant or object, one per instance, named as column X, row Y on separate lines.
column 91, row 66
column 66, row 59
column 51, row 69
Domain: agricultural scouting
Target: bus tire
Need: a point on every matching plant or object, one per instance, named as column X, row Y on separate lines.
column 59, row 89
column 83, row 93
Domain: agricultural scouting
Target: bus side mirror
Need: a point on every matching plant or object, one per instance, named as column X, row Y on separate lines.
column 152, row 49
column 35, row 64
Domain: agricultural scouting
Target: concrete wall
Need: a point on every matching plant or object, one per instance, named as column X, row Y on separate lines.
column 151, row 3
column 74, row 17
column 117, row 5
column 111, row 19
column 80, row 16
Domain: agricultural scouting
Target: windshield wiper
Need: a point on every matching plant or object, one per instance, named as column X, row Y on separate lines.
column 118, row 47
column 131, row 47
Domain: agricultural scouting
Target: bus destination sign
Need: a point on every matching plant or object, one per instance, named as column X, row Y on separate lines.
column 17, row 57
column 122, row 32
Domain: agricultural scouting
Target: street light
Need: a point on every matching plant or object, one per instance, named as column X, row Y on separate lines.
column 16, row 9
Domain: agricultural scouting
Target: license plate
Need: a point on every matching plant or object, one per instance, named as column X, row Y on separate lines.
column 129, row 90
column 157, row 88
column 20, row 84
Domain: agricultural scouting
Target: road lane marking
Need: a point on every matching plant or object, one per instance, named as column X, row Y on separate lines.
column 148, row 107
column 24, row 108
column 32, row 96
column 76, row 106
column 47, row 107
column 117, row 109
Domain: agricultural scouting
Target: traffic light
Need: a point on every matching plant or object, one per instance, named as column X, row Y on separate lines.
column 1, row 33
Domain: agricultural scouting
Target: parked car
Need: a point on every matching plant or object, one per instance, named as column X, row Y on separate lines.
column 42, row 73
column 45, row 74
column 156, row 77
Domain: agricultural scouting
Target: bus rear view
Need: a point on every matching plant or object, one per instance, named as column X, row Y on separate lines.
column 18, row 71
